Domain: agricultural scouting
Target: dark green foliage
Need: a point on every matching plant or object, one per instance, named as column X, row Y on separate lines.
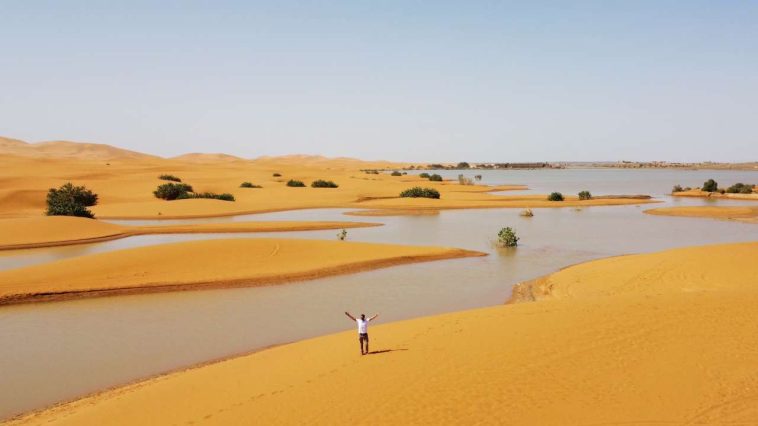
column 419, row 192
column 436, row 166
column 585, row 195
column 249, row 185
column 277, row 175
column 424, row 175
column 172, row 191
column 435, row 178
column 463, row 165
column 710, row 186
column 169, row 177
column 507, row 237
column 677, row 188
column 740, row 188
column 371, row 172
column 396, row 173
column 295, row 183
column 212, row 195
column 70, row 200
column 323, row 184
column 555, row 196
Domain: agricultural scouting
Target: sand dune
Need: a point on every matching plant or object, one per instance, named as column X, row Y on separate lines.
column 205, row 264
column 663, row 338
column 197, row 157
column 68, row 149
column 49, row 231
column 737, row 213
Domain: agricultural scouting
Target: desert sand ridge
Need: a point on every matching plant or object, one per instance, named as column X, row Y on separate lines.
column 661, row 338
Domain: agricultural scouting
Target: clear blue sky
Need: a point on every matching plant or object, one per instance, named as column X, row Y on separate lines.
column 398, row 80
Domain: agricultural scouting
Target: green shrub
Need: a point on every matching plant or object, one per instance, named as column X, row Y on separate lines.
column 70, row 200
column 710, row 186
column 396, row 173
column 555, row 196
column 295, row 183
column 172, row 191
column 740, row 188
column 463, row 165
column 169, row 177
column 249, row 185
column 677, row 188
column 212, row 195
column 585, row 195
column 424, row 175
column 276, row 175
column 507, row 237
column 419, row 192
column 435, row 178
column 323, row 184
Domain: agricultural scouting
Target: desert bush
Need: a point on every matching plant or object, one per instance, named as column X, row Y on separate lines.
column 169, row 177
column 424, row 175
column 463, row 165
column 677, row 188
column 710, row 186
column 555, row 196
column 342, row 235
column 249, row 185
column 70, row 200
column 212, row 195
column 435, row 178
column 371, row 172
column 507, row 237
column 585, row 195
column 295, row 183
column 323, row 184
column 463, row 180
column 172, row 191
column 277, row 175
column 396, row 173
column 740, row 188
column 419, row 192
column 527, row 213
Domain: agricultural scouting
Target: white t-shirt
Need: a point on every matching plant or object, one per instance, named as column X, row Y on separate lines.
column 362, row 326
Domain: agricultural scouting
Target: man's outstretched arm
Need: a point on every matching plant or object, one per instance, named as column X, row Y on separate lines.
column 373, row 317
column 349, row 316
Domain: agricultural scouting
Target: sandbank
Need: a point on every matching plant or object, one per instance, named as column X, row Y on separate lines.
column 662, row 338
column 745, row 214
column 50, row 231
column 703, row 194
column 205, row 264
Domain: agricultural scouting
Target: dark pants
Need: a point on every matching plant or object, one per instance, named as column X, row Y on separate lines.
column 363, row 337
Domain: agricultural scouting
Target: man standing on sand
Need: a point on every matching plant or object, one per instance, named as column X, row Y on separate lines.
column 362, row 329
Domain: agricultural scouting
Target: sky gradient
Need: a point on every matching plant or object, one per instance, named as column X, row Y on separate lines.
column 396, row 80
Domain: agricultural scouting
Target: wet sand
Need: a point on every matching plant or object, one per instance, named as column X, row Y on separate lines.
column 747, row 214
column 667, row 337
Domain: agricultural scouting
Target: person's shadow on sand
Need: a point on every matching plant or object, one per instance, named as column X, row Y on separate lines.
column 384, row 351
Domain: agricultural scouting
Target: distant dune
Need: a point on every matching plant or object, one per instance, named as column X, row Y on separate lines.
column 68, row 149
column 198, row 157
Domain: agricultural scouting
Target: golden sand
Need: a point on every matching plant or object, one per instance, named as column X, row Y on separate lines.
column 205, row 264
column 662, row 338
column 125, row 181
column 49, row 231
column 737, row 213
column 703, row 194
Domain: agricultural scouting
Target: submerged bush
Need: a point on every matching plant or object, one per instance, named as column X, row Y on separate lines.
column 435, row 178
column 419, row 192
column 424, row 175
column 710, row 186
column 555, row 196
column 70, row 200
column 295, row 183
column 677, row 188
column 507, row 237
column 396, row 173
column 169, row 177
column 323, row 184
column 585, row 195
column 740, row 188
column 527, row 213
column 249, row 185
column 342, row 235
column 172, row 191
